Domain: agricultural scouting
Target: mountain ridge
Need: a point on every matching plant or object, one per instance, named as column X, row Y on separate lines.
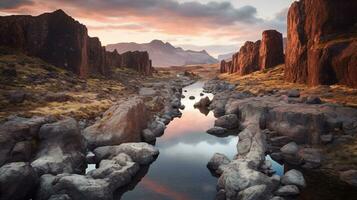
column 164, row 54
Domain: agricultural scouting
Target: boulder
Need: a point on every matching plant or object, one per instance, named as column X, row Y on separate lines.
column 238, row 176
column 293, row 93
column 61, row 150
column 310, row 157
column 17, row 181
column 256, row 192
column 287, row 190
column 204, row 102
column 123, row 122
column 217, row 131
column 148, row 136
column 313, row 100
column 141, row 153
column 157, row 127
column 293, row 177
column 17, row 138
column 216, row 161
column 291, row 148
column 227, row 121
column 271, row 52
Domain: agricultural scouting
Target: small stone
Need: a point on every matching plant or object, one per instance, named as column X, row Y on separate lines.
column 217, row 131
column 294, row 93
column 293, row 177
column 291, row 148
column 325, row 139
column 288, row 190
column 191, row 97
column 227, row 121
column 313, row 100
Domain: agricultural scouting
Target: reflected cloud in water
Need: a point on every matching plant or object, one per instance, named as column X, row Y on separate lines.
column 180, row 171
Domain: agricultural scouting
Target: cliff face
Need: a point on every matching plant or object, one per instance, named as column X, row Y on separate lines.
column 248, row 58
column 271, row 52
column 137, row 60
column 322, row 42
column 259, row 55
column 54, row 37
column 59, row 40
column 226, row 66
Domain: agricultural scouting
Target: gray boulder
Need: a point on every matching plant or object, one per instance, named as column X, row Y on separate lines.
column 293, row 93
column 17, row 181
column 217, row 161
column 122, row 123
column 141, row 153
column 61, row 150
column 148, row 135
column 287, row 190
column 256, row 192
column 217, row 131
column 293, row 177
column 227, row 121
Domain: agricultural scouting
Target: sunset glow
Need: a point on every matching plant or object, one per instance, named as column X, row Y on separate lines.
column 217, row 26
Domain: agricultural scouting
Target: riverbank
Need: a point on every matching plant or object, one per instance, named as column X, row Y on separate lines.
column 48, row 139
column 293, row 131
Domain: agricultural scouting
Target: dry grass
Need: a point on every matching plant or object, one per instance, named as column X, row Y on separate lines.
column 88, row 98
column 271, row 79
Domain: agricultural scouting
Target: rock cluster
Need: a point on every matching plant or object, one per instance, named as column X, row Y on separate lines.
column 282, row 124
column 322, row 43
column 255, row 56
column 62, row 41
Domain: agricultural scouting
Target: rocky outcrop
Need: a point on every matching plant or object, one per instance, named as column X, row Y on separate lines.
column 97, row 57
column 122, row 123
column 248, row 58
column 17, row 181
column 322, row 43
column 62, row 41
column 61, row 150
column 55, row 37
column 271, row 52
column 138, row 61
column 18, row 137
column 259, row 55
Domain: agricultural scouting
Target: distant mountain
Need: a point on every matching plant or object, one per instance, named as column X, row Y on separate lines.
column 227, row 56
column 164, row 54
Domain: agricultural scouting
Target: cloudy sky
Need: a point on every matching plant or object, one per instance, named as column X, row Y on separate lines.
column 219, row 26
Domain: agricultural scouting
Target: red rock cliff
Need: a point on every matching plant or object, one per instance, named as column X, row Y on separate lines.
column 254, row 56
column 271, row 52
column 322, row 42
column 248, row 58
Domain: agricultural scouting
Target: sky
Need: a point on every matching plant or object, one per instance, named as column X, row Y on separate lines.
column 218, row 26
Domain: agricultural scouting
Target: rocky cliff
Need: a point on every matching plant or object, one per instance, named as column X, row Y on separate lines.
column 137, row 60
column 62, row 41
column 322, row 42
column 271, row 52
column 248, row 58
column 259, row 55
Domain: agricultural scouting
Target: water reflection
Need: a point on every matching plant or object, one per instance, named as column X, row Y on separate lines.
column 180, row 171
